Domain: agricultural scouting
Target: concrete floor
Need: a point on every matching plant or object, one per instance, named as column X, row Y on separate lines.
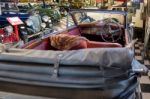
column 7, row 95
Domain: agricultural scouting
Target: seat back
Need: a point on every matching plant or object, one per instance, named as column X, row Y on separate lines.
column 80, row 44
column 93, row 44
column 40, row 45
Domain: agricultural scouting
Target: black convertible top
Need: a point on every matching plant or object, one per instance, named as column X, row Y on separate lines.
column 95, row 57
column 99, row 72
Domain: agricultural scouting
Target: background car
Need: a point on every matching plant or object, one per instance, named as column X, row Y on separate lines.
column 11, row 10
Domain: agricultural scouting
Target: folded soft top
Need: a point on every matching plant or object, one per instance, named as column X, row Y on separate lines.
column 95, row 57
column 107, row 70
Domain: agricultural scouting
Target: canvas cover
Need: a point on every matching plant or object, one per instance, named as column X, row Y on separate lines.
column 106, row 72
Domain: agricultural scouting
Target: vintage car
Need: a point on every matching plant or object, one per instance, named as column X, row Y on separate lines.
column 11, row 10
column 50, row 10
column 92, row 59
column 35, row 26
column 25, row 7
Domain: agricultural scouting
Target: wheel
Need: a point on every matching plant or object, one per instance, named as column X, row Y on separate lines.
column 111, row 31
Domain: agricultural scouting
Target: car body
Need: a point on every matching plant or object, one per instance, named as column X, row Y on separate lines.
column 77, row 60
column 50, row 10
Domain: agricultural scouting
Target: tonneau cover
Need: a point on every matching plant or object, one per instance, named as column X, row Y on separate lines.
column 105, row 72
column 97, row 56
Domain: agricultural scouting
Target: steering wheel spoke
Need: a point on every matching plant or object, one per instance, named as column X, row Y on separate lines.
column 113, row 30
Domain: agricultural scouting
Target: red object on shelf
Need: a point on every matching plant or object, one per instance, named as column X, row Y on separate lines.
column 14, row 36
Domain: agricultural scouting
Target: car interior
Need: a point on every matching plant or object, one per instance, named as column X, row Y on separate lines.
column 89, row 33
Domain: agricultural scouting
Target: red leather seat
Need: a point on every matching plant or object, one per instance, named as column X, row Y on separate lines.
column 81, row 45
column 39, row 45
column 93, row 44
column 45, row 45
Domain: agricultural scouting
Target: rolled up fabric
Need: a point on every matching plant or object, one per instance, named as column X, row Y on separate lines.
column 65, row 41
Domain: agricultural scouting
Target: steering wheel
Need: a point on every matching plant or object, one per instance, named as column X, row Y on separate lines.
column 111, row 30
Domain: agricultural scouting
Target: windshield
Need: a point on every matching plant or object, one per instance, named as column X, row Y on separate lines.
column 83, row 17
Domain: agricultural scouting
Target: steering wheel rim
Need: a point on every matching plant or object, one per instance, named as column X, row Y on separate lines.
column 109, row 33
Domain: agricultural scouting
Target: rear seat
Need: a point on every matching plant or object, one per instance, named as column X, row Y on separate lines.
column 45, row 45
column 40, row 45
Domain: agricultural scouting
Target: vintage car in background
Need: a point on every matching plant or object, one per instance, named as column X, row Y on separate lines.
column 35, row 27
column 32, row 28
column 25, row 7
column 27, row 31
column 7, row 35
column 50, row 10
column 93, row 58
column 11, row 10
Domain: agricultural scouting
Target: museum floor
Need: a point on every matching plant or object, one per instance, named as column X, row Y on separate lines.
column 145, row 79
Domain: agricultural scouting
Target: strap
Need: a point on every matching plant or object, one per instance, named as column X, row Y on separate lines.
column 56, row 66
column 3, row 48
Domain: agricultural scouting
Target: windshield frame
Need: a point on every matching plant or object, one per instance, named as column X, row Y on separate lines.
column 123, row 13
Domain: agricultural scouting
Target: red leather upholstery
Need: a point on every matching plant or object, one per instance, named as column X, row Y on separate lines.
column 82, row 45
column 40, row 45
column 45, row 45
column 93, row 44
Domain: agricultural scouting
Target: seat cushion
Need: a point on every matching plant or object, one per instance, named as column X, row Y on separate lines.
column 93, row 44
column 68, row 42
column 39, row 45
column 81, row 45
